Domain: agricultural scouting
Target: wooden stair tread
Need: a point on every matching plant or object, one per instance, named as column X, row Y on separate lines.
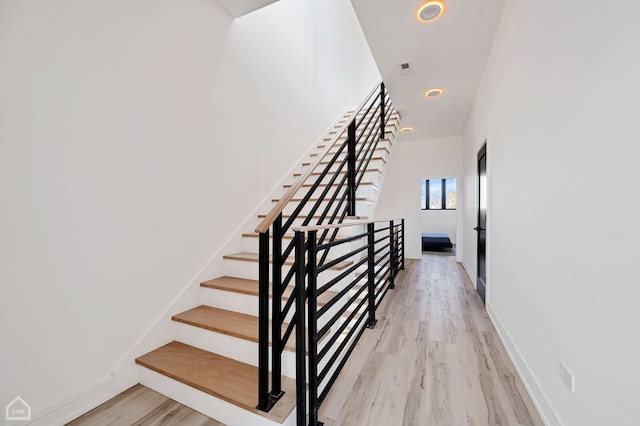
column 253, row 257
column 230, row 380
column 284, row 237
column 334, row 130
column 342, row 172
column 231, row 323
column 309, row 185
column 234, row 284
column 313, row 200
column 325, row 162
column 262, row 216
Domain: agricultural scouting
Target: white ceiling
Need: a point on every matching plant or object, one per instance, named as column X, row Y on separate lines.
column 449, row 53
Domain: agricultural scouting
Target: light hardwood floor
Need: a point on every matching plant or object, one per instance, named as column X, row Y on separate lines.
column 142, row 406
column 434, row 358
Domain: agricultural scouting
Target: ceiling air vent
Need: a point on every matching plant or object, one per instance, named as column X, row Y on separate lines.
column 405, row 68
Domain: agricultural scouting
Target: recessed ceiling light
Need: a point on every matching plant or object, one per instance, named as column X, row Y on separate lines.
column 433, row 93
column 430, row 10
column 406, row 129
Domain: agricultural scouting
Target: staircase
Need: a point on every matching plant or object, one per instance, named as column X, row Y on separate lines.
column 212, row 366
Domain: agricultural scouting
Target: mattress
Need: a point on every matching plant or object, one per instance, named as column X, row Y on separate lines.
column 436, row 242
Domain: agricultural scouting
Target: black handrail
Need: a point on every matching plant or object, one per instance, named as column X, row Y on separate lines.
column 330, row 199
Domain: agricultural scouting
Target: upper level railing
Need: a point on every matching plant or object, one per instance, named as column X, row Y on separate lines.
column 349, row 301
column 332, row 181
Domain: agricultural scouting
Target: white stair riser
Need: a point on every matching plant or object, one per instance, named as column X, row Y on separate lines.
column 229, row 300
column 378, row 153
column 231, row 347
column 208, row 405
column 249, row 270
column 246, row 304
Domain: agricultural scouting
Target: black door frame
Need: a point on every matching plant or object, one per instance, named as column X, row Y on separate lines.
column 481, row 228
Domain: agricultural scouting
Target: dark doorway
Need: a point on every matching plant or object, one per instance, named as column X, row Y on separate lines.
column 481, row 228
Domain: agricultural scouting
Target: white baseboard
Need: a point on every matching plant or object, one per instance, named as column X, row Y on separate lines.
column 543, row 405
column 73, row 406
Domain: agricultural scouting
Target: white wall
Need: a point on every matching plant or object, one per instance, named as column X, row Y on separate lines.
column 135, row 137
column 558, row 103
column 440, row 222
column 410, row 162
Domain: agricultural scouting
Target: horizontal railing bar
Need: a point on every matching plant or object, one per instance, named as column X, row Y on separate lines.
column 337, row 225
column 327, row 345
column 328, row 305
column 386, row 237
column 380, row 249
column 341, row 241
column 381, row 259
column 386, row 289
column 327, row 327
column 333, row 378
column 382, row 278
column 334, row 281
column 342, row 258
column 279, row 207
column 342, row 345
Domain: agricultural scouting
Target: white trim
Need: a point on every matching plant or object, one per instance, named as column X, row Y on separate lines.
column 549, row 415
column 74, row 405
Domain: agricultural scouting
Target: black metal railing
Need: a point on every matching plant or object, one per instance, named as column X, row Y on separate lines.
column 327, row 192
column 349, row 300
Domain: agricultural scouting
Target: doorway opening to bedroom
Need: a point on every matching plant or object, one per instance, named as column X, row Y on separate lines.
column 438, row 216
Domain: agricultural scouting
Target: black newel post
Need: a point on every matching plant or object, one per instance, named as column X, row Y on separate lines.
column 371, row 279
column 300, row 329
column 351, row 168
column 263, row 323
column 382, row 124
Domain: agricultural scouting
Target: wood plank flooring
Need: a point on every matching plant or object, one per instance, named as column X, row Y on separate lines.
column 142, row 406
column 434, row 358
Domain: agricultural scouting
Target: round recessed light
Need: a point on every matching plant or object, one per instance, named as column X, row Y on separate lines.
column 406, row 129
column 433, row 93
column 430, row 10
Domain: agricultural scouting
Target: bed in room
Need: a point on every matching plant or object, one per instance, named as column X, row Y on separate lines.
column 432, row 242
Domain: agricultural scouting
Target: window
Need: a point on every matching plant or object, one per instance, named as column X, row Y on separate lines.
column 439, row 194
